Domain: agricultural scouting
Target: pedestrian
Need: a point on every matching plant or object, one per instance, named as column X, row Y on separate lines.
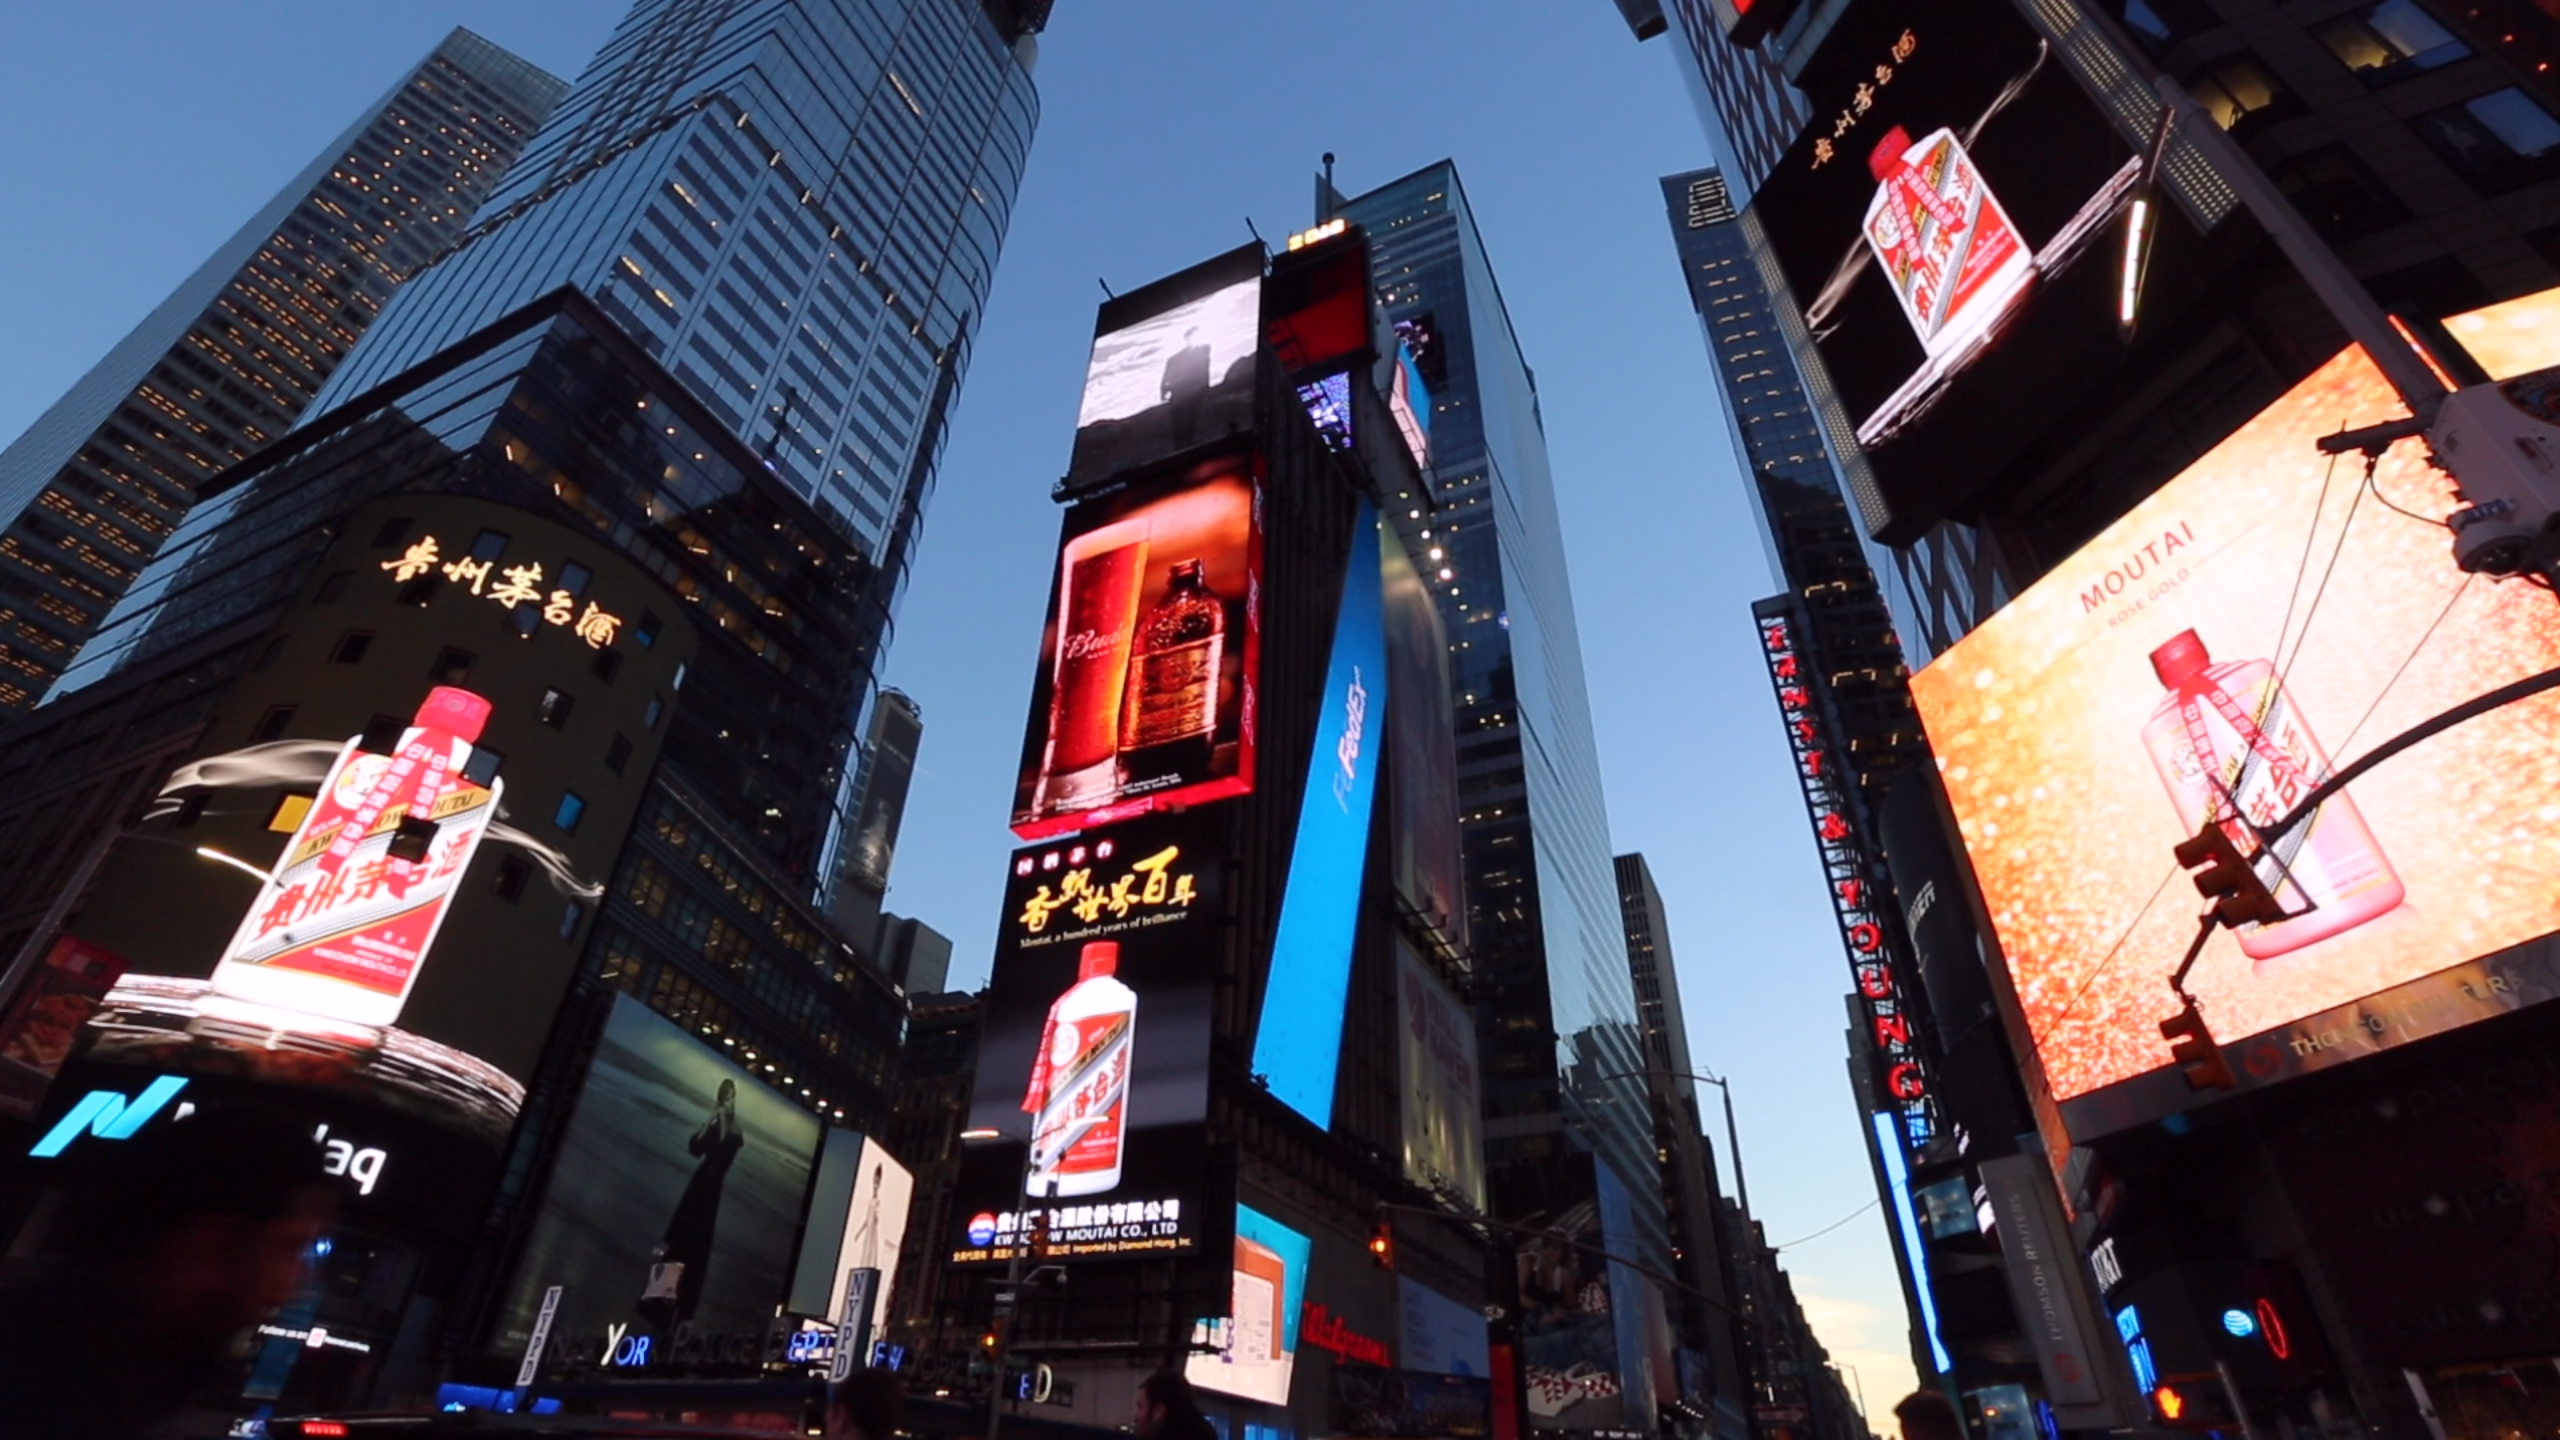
column 1929, row 1415
column 868, row 1405
column 1167, row 1410
column 146, row 1261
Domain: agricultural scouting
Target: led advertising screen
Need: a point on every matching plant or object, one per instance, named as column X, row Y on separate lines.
column 1096, row 1048
column 1297, row 1045
column 1443, row 1105
column 1144, row 695
column 1945, row 226
column 1423, row 780
column 1172, row 368
column 2263, row 620
column 1253, row 1351
column 671, row 1212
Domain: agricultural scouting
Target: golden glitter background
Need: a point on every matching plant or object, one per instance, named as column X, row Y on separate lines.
column 2037, row 718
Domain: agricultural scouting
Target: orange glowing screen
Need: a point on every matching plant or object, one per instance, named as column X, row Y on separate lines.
column 2069, row 730
column 2513, row 336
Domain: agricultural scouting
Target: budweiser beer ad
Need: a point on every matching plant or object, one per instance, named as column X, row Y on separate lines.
column 1144, row 697
column 353, row 904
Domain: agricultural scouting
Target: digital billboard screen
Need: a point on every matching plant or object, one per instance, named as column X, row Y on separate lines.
column 673, row 1206
column 1096, row 1047
column 1172, row 368
column 1144, row 695
column 1252, row 1351
column 2263, row 620
column 1943, row 225
column 1443, row 1100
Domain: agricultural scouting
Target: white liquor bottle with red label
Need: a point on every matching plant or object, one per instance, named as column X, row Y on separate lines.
column 1947, row 247
column 2228, row 741
column 1079, row 1094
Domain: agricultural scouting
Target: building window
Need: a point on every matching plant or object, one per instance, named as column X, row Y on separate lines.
column 2239, row 93
column 333, row 587
column 618, row 754
column 2334, row 191
column 268, row 654
column 569, row 918
column 2391, row 41
column 452, row 666
column 271, row 725
column 2499, row 141
column 606, row 665
column 393, row 531
column 573, row 578
column 418, row 591
column 573, row 808
column 645, row 634
column 508, row 883
column 489, row 544
column 351, row 647
column 649, row 717
column 555, row 708
column 381, row 734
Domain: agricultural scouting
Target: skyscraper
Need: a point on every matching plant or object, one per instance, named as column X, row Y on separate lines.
column 1742, row 96
column 235, row 354
column 795, row 205
column 886, row 768
column 1569, row 1131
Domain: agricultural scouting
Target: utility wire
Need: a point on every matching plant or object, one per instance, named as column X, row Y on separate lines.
column 2450, row 601
column 2432, row 522
column 2110, row 957
column 1834, row 1225
column 2284, row 667
column 2302, row 566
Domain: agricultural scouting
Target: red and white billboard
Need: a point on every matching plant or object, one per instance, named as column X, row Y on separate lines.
column 2264, row 619
column 348, row 914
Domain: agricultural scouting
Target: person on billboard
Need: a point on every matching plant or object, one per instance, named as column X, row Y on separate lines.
column 1186, row 388
column 151, row 1258
column 1168, row 1410
column 683, row 1258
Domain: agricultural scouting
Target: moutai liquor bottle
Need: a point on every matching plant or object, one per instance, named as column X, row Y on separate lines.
column 2228, row 741
column 1079, row 1094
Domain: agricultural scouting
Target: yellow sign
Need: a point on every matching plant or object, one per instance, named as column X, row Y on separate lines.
column 516, row 585
column 1148, row 884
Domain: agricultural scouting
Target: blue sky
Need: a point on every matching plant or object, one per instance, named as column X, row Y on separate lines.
column 146, row 132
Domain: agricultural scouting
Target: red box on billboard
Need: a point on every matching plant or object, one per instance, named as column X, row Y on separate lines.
column 1144, row 700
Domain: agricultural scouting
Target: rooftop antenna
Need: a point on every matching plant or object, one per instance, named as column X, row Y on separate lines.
column 1324, row 201
column 1106, row 287
column 1257, row 235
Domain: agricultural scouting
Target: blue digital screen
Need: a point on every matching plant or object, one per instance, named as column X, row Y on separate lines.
column 1328, row 403
column 1889, row 1145
column 1298, row 1046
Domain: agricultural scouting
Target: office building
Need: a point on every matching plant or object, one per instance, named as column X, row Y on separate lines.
column 1749, row 110
column 1568, row 1114
column 887, row 768
column 230, row 360
column 1714, row 1329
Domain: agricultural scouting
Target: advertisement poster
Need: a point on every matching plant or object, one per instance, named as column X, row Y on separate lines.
column 1172, row 368
column 1298, row 1043
column 671, row 1210
column 1441, row 1336
column 1443, row 1104
column 857, row 1220
column 1144, row 695
column 1096, row 1047
column 1255, row 1348
column 45, row 1016
column 1367, row 1400
column 1568, row 1333
column 1944, row 227
column 2231, row 641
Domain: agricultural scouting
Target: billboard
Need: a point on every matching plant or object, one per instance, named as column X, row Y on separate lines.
column 673, row 1205
column 1096, row 1047
column 1441, row 1336
column 2257, row 623
column 1443, row 1103
column 1298, row 1042
column 857, row 1220
column 1942, row 227
column 42, row 1021
column 1253, row 1351
column 1429, row 871
column 1172, row 368
column 1144, row 695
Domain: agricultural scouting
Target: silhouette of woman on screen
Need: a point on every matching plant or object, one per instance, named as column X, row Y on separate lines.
column 683, row 1258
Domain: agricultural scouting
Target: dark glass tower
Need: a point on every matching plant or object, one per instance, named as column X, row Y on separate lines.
column 235, row 354
column 1568, row 1120
column 795, row 205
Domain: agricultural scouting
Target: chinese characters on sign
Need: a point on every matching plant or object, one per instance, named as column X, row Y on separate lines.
column 516, row 585
column 1863, row 99
column 1903, row 1075
column 1149, row 884
column 1120, row 1228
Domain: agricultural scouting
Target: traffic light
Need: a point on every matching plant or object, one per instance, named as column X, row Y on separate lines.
column 2196, row 1401
column 2193, row 1047
column 1382, row 1245
column 2223, row 876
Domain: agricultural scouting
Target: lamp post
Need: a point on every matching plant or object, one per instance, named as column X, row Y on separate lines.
column 1008, row 1299
column 1732, row 1133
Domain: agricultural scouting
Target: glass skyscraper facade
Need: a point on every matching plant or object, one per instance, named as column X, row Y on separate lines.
column 1559, row 1036
column 795, row 205
column 233, row 357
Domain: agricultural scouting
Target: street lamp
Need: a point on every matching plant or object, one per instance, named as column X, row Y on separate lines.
column 1732, row 1133
column 1009, row 1299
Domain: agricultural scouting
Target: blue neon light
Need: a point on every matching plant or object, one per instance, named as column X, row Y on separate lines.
column 1298, row 1047
column 108, row 1115
column 1889, row 1145
column 2240, row 1323
column 2146, row 1375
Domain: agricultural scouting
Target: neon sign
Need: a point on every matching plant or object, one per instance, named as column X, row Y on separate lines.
column 108, row 1115
column 516, row 585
